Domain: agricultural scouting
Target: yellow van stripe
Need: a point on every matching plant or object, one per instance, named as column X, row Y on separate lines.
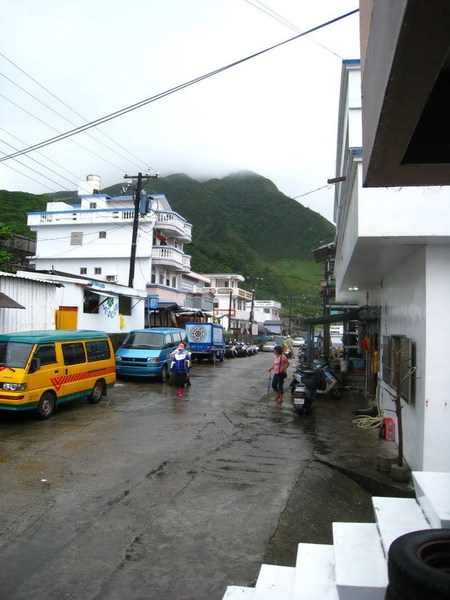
column 57, row 382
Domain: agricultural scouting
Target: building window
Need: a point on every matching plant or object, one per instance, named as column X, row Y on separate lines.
column 125, row 305
column 102, row 234
column 76, row 238
column 174, row 282
column 93, row 205
column 161, row 278
column 83, row 271
column 91, row 302
column 153, row 279
column 112, row 278
column 98, row 270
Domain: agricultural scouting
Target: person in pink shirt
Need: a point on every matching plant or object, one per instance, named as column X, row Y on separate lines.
column 279, row 368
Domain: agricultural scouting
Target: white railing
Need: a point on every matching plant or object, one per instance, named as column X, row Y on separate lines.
column 170, row 219
column 171, row 255
column 82, row 216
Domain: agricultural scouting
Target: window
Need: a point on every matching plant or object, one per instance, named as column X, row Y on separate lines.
column 46, row 354
column 97, row 350
column 83, row 271
column 397, row 364
column 91, row 302
column 102, row 234
column 93, row 205
column 73, row 353
column 98, row 270
column 161, row 278
column 174, row 282
column 125, row 305
column 76, row 238
column 111, row 278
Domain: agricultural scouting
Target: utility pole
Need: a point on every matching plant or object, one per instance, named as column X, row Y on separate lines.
column 137, row 198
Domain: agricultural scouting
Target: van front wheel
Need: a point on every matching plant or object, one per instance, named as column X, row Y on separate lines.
column 97, row 392
column 46, row 406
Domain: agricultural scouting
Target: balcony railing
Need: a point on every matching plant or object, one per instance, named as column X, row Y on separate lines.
column 171, row 221
column 167, row 255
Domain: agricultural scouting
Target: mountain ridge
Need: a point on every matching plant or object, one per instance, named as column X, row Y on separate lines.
column 241, row 224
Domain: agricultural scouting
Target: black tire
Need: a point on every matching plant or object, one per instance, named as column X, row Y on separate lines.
column 164, row 375
column 335, row 393
column 46, row 406
column 98, row 391
column 419, row 566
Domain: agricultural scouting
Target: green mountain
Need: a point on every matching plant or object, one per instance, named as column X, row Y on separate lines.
column 241, row 224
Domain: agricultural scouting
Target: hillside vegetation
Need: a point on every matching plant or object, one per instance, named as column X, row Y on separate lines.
column 241, row 224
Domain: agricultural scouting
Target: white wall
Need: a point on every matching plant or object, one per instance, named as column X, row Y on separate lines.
column 437, row 393
column 38, row 298
column 414, row 302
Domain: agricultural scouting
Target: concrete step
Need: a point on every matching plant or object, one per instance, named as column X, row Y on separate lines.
column 397, row 516
column 314, row 574
column 236, row 592
column 360, row 565
column 274, row 583
column 433, row 495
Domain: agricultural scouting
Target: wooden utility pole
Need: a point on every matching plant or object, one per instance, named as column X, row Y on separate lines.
column 137, row 198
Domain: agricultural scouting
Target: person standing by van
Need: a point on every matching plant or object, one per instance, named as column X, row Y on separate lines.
column 179, row 368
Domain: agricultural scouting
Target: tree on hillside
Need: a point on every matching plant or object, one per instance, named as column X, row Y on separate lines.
column 5, row 255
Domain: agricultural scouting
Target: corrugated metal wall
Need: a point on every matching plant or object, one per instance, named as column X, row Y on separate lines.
column 37, row 297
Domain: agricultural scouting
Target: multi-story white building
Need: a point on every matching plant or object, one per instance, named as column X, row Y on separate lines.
column 231, row 302
column 93, row 238
column 393, row 254
column 266, row 310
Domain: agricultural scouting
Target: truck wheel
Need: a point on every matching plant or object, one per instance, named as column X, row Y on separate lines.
column 46, row 406
column 419, row 565
column 97, row 392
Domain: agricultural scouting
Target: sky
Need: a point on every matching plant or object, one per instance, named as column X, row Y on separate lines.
column 64, row 64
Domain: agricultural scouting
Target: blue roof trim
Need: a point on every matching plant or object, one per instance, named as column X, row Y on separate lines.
column 351, row 61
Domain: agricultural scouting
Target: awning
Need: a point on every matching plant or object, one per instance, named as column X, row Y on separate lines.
column 7, row 302
column 335, row 318
column 362, row 313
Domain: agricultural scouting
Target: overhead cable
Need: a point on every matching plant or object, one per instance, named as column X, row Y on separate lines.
column 170, row 91
column 141, row 162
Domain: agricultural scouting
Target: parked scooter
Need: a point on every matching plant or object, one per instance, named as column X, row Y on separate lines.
column 303, row 391
column 332, row 384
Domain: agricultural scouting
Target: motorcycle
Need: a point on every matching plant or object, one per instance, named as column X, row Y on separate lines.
column 326, row 382
column 303, row 391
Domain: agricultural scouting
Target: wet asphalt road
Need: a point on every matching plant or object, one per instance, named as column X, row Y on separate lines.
column 146, row 496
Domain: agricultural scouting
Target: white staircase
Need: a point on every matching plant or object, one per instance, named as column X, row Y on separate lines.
column 354, row 567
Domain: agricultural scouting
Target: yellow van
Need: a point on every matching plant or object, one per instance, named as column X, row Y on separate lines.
column 41, row 369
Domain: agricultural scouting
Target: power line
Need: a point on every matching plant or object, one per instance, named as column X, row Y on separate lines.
column 141, row 162
column 182, row 86
column 274, row 15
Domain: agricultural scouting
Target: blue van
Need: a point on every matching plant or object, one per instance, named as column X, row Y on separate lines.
column 146, row 352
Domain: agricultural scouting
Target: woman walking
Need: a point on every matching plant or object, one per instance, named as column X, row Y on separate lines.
column 279, row 368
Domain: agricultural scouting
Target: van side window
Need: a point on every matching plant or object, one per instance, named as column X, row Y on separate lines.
column 46, row 354
column 97, row 350
column 73, row 353
column 176, row 338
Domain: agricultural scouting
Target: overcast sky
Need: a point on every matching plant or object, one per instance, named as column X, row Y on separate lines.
column 275, row 114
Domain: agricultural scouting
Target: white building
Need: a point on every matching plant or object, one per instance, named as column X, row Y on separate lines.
column 231, row 302
column 267, row 310
column 393, row 252
column 93, row 238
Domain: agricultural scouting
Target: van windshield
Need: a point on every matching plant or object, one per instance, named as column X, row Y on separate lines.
column 14, row 354
column 144, row 339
